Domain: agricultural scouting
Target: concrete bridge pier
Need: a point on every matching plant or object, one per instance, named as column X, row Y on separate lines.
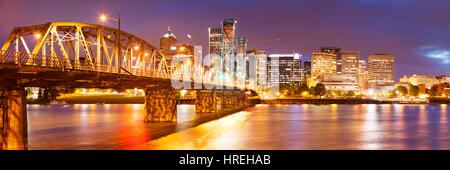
column 206, row 101
column 231, row 99
column 160, row 105
column 241, row 100
column 13, row 119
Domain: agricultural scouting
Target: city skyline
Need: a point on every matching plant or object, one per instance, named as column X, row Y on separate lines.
column 376, row 30
column 254, row 75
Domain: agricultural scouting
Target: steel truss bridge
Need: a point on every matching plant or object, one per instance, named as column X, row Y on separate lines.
column 78, row 49
column 80, row 55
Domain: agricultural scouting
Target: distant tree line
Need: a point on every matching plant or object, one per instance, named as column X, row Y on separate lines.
column 412, row 90
column 293, row 90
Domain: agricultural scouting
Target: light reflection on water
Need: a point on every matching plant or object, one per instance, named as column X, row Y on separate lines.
column 364, row 126
column 90, row 126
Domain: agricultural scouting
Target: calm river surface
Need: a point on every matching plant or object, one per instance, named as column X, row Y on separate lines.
column 363, row 126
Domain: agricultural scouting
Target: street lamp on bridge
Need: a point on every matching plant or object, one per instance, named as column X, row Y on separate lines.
column 104, row 18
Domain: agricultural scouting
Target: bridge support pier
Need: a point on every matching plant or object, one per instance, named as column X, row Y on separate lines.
column 224, row 99
column 241, row 100
column 13, row 120
column 205, row 101
column 161, row 105
column 232, row 98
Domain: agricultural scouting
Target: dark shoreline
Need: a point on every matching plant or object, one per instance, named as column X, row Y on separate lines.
column 335, row 101
column 439, row 101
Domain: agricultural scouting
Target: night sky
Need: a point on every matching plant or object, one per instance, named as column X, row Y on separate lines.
column 416, row 32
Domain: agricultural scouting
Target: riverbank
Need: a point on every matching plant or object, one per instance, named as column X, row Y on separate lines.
column 336, row 101
column 439, row 101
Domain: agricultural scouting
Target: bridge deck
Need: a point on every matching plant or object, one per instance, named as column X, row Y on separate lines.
column 39, row 76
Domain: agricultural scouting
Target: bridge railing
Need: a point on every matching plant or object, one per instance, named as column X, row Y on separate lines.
column 19, row 58
column 24, row 59
column 66, row 64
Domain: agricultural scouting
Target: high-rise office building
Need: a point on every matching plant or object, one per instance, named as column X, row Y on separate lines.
column 350, row 63
column 346, row 61
column 381, row 72
column 216, row 49
column 363, row 75
column 185, row 49
column 336, row 69
column 322, row 63
column 307, row 67
column 168, row 44
column 260, row 69
column 215, row 41
column 346, row 77
column 185, row 62
column 296, row 69
column 289, row 68
column 350, row 68
column 306, row 73
column 185, row 53
column 337, row 52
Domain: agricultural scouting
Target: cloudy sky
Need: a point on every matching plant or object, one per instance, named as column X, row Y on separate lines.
column 416, row 32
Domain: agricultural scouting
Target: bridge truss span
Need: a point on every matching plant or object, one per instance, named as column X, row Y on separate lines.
column 80, row 46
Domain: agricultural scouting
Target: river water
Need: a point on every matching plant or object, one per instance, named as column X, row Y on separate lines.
column 362, row 126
